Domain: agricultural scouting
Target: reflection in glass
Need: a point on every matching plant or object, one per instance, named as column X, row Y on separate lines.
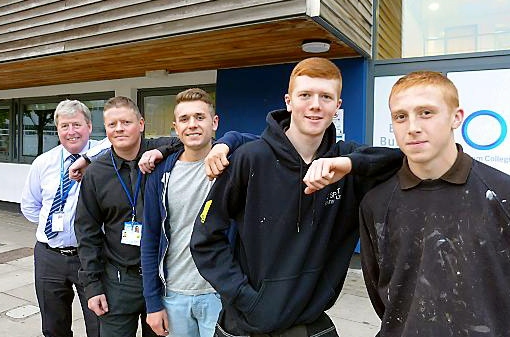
column 4, row 130
column 159, row 112
column 96, row 110
column 39, row 131
column 159, row 115
column 441, row 27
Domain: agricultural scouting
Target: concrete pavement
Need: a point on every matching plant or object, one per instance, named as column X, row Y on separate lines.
column 19, row 314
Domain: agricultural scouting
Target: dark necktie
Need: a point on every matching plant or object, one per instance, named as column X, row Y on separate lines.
column 133, row 176
column 60, row 198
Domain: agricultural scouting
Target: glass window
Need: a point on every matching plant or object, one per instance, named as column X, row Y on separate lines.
column 440, row 27
column 96, row 110
column 38, row 130
column 39, row 133
column 159, row 115
column 157, row 107
column 5, row 122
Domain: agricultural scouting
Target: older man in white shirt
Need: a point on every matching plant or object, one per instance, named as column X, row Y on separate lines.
column 49, row 199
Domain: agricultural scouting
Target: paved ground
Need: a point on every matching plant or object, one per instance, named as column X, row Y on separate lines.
column 19, row 314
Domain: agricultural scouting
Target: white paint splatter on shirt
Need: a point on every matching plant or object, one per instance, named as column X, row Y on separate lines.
column 490, row 195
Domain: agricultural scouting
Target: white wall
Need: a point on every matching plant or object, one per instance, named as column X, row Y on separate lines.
column 12, row 180
column 12, row 176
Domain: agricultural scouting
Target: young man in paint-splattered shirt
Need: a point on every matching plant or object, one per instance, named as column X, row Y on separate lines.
column 436, row 236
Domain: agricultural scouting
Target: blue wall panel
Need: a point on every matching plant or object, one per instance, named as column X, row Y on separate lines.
column 354, row 97
column 244, row 96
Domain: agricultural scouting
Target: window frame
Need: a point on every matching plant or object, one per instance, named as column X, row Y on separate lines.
column 142, row 93
column 11, row 131
column 16, row 126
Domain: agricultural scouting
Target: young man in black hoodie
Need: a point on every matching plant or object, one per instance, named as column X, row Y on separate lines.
column 292, row 251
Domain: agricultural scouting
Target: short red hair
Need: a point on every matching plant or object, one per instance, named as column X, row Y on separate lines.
column 316, row 67
column 428, row 78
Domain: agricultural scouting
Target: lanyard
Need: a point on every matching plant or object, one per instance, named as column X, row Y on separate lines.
column 132, row 200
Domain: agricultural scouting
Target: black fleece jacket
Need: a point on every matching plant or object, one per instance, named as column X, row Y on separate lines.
column 292, row 250
column 436, row 253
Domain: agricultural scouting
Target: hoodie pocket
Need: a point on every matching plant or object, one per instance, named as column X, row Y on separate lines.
column 280, row 302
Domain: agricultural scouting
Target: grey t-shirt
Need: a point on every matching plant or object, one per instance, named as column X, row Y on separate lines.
column 188, row 187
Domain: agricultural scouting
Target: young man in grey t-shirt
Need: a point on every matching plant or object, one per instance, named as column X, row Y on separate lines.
column 174, row 193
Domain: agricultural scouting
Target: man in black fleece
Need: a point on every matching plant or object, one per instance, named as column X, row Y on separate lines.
column 292, row 251
column 436, row 236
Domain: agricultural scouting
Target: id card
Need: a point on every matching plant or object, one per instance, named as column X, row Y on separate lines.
column 132, row 233
column 57, row 222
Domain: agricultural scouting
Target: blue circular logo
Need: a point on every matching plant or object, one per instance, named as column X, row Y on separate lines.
column 489, row 113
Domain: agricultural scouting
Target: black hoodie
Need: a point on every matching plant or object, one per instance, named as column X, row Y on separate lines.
column 292, row 250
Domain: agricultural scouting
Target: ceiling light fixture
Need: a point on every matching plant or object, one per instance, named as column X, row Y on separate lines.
column 316, row 46
column 434, row 6
column 162, row 73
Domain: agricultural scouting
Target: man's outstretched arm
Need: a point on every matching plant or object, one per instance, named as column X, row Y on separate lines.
column 375, row 163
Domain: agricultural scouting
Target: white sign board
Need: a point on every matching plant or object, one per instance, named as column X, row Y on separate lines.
column 383, row 131
column 485, row 97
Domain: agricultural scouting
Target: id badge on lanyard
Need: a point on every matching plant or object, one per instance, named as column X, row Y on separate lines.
column 132, row 232
column 57, row 221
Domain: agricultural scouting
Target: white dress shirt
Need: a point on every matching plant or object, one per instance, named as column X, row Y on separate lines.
column 98, row 149
column 42, row 184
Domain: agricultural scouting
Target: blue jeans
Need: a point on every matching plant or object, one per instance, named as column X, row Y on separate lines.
column 192, row 315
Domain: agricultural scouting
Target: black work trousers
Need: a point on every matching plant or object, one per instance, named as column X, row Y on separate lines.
column 126, row 305
column 55, row 275
column 322, row 327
